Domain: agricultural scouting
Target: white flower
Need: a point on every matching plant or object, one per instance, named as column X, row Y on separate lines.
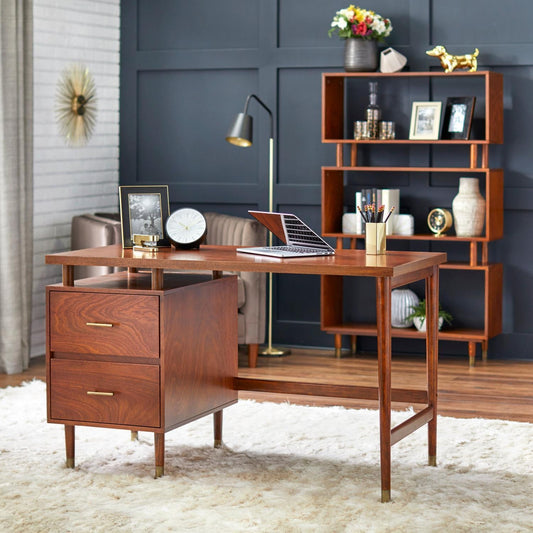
column 378, row 25
column 342, row 24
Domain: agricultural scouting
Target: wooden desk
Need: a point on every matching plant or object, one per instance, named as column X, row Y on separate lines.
column 391, row 270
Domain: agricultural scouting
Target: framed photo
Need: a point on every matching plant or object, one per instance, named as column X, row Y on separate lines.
column 458, row 117
column 425, row 121
column 144, row 210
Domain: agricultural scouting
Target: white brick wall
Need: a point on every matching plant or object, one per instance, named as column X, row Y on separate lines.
column 67, row 180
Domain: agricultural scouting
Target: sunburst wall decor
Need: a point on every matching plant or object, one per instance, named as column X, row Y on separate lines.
column 76, row 105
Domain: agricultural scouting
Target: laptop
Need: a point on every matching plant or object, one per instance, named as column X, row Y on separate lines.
column 300, row 240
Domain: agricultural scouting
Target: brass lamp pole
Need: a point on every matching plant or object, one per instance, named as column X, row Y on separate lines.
column 241, row 134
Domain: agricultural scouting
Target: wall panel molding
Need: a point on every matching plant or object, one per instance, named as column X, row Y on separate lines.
column 287, row 60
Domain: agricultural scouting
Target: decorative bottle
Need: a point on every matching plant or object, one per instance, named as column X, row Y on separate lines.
column 373, row 111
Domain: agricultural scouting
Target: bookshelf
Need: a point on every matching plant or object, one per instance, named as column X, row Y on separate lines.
column 336, row 93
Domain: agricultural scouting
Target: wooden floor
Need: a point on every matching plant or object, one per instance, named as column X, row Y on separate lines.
column 495, row 389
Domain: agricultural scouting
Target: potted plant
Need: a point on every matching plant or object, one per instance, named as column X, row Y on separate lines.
column 362, row 29
column 418, row 315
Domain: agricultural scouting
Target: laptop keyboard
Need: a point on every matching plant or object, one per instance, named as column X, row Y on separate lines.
column 299, row 250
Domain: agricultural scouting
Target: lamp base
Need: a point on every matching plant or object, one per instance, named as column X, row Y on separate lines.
column 272, row 351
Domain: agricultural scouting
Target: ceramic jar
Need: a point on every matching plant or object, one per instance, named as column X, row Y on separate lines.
column 420, row 323
column 468, row 209
column 401, row 302
column 360, row 55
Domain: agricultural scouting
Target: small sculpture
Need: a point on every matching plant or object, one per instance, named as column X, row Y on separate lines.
column 450, row 62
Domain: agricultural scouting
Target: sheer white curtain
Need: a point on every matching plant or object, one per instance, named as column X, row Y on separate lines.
column 16, row 182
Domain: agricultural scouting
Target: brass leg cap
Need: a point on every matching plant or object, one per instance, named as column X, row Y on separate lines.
column 218, row 443
column 69, row 462
column 134, row 435
column 338, row 353
column 432, row 460
column 159, row 471
column 385, row 496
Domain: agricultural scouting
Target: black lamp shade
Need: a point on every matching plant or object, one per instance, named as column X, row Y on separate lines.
column 241, row 131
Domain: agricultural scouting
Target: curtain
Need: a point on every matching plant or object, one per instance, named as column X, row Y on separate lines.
column 16, row 183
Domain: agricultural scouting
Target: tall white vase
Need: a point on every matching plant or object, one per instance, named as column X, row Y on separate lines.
column 402, row 301
column 468, row 209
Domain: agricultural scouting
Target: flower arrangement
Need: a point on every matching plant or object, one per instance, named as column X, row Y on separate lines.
column 354, row 22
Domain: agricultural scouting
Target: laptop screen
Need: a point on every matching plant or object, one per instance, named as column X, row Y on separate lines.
column 290, row 229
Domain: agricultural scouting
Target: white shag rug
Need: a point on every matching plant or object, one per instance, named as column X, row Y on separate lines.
column 284, row 468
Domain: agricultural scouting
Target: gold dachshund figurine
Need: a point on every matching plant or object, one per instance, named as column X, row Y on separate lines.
column 450, row 62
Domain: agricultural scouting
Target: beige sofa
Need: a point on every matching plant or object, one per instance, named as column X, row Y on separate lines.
column 89, row 231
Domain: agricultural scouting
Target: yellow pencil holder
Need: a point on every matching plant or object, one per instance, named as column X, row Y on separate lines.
column 375, row 238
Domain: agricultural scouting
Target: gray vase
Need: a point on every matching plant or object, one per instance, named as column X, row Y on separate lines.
column 360, row 55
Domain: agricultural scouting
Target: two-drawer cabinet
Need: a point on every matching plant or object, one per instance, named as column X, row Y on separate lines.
column 122, row 355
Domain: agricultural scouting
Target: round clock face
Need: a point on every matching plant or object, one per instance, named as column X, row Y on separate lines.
column 439, row 221
column 186, row 228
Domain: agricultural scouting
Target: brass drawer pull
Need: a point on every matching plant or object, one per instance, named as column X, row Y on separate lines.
column 98, row 393
column 99, row 324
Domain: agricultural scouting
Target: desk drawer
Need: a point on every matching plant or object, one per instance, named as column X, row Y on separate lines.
column 126, row 394
column 104, row 324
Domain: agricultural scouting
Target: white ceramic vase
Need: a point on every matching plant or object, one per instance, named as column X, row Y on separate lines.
column 420, row 323
column 468, row 209
column 401, row 302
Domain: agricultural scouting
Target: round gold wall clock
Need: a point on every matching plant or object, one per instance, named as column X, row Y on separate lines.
column 439, row 221
column 76, row 105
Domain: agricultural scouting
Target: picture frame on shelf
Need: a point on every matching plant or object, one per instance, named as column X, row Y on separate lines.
column 425, row 121
column 458, row 114
column 144, row 210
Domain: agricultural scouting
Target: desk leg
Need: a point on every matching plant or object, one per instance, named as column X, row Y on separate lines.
column 159, row 445
column 217, row 427
column 432, row 358
column 383, row 311
column 69, row 446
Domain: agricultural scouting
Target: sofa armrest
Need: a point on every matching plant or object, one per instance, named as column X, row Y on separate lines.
column 91, row 231
column 237, row 231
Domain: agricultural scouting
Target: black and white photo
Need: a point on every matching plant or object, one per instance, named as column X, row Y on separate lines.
column 458, row 114
column 143, row 211
column 425, row 121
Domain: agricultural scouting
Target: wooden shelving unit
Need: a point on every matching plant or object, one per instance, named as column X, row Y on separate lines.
column 334, row 100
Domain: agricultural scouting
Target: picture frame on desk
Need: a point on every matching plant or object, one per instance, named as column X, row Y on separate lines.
column 144, row 210
column 458, row 115
column 425, row 121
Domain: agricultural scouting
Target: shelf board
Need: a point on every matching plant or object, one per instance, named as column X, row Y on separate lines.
column 419, row 237
column 408, row 141
column 463, row 265
column 455, row 334
column 412, row 74
column 411, row 169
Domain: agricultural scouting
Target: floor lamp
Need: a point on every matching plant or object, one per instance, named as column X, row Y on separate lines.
column 241, row 134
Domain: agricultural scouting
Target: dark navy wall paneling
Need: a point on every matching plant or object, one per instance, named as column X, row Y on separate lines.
column 171, row 25
column 187, row 67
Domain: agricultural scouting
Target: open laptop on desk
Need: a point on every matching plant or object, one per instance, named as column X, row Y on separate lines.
column 300, row 240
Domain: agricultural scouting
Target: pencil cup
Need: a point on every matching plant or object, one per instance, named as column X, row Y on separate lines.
column 375, row 238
